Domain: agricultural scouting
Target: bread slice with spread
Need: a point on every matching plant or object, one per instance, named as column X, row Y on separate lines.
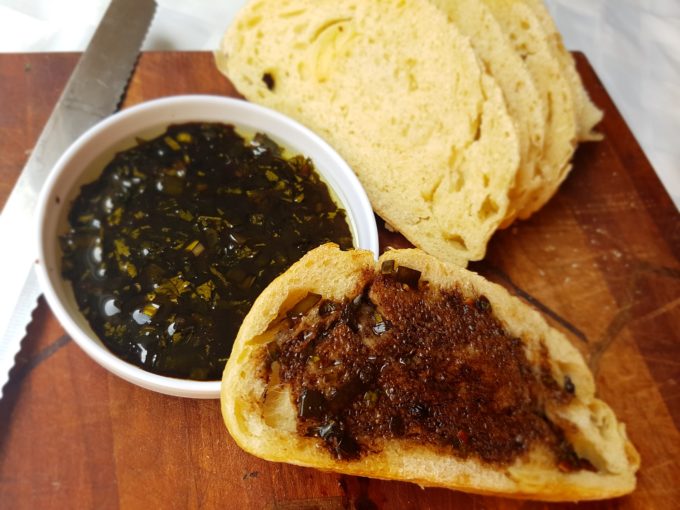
column 411, row 369
column 397, row 90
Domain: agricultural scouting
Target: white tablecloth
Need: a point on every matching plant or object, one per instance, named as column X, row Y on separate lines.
column 634, row 46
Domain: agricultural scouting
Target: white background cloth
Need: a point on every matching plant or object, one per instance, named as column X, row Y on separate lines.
column 634, row 46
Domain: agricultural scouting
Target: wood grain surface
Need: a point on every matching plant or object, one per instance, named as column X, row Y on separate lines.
column 601, row 261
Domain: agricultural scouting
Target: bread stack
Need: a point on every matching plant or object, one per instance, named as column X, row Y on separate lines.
column 458, row 116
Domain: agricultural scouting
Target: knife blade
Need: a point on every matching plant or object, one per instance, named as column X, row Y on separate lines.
column 92, row 93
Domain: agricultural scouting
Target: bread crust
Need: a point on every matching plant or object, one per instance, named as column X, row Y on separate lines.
column 589, row 424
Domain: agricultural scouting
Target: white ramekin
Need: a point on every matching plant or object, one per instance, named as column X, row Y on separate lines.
column 86, row 157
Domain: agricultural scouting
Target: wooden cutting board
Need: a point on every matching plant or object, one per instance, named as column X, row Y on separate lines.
column 601, row 261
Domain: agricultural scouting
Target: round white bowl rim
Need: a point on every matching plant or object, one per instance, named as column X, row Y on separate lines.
column 98, row 352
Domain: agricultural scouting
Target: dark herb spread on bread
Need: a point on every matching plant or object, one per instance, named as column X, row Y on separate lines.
column 407, row 360
column 171, row 245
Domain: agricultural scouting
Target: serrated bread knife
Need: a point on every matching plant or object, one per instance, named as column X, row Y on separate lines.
column 92, row 93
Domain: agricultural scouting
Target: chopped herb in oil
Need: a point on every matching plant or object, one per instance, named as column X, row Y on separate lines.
column 170, row 246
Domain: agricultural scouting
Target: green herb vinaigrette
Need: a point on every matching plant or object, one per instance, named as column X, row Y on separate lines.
column 171, row 245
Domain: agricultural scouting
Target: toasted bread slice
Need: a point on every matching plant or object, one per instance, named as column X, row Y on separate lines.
column 415, row 370
column 399, row 93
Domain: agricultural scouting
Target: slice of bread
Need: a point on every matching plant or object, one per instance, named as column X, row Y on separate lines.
column 399, row 93
column 587, row 114
column 524, row 30
column 420, row 371
column 494, row 49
